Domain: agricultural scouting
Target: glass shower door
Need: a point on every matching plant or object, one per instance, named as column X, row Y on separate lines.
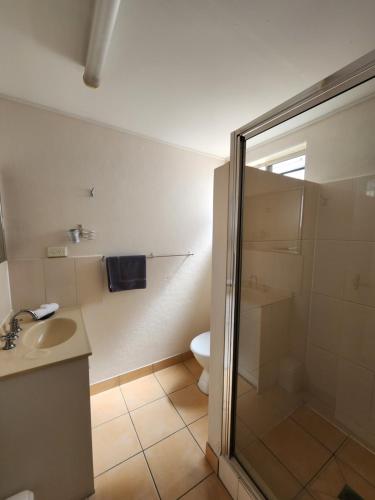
column 303, row 422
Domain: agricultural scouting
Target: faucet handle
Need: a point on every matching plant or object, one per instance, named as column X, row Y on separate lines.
column 15, row 326
column 8, row 339
column 9, row 335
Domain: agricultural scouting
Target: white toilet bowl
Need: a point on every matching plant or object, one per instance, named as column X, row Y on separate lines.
column 200, row 347
column 23, row 495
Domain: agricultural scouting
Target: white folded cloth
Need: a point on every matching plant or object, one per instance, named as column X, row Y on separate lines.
column 46, row 309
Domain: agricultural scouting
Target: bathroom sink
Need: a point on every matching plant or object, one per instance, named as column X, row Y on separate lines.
column 49, row 333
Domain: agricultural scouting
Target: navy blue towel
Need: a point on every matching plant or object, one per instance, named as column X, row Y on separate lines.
column 126, row 273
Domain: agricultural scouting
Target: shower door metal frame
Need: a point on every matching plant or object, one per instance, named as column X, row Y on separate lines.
column 356, row 73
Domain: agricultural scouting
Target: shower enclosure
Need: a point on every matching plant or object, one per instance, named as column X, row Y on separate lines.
column 300, row 307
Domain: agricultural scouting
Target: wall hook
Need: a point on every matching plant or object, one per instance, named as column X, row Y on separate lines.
column 91, row 192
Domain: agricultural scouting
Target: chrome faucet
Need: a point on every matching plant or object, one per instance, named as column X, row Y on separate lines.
column 15, row 329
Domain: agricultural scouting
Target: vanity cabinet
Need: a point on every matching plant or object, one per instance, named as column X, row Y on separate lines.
column 45, row 422
column 45, row 432
column 263, row 335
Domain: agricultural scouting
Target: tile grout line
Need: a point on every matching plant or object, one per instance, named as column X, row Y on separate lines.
column 168, row 394
column 127, row 408
column 349, row 465
column 116, row 465
column 128, row 458
column 355, row 471
column 169, row 399
column 182, row 388
column 188, row 428
column 192, row 435
column 193, row 487
column 158, row 381
column 165, row 396
column 315, row 476
column 332, row 454
column 298, row 495
column 154, row 374
column 332, row 457
column 196, row 378
column 148, row 402
column 314, row 437
column 161, row 397
column 280, row 462
column 142, row 451
column 185, row 425
column 164, row 438
column 200, row 418
column 109, row 420
column 177, row 364
column 179, row 389
column 148, row 465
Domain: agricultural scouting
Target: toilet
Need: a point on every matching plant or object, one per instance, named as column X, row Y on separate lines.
column 23, row 495
column 200, row 347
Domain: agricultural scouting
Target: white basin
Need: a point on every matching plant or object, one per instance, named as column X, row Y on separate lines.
column 49, row 333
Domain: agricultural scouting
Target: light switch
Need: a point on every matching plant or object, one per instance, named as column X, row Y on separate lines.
column 57, row 252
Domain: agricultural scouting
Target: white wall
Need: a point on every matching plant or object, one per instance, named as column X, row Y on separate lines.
column 149, row 197
column 337, row 146
column 219, row 263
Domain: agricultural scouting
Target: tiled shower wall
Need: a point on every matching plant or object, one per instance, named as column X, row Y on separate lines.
column 333, row 308
column 288, row 271
column 341, row 349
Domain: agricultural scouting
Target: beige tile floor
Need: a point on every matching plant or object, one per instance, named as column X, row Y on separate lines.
column 149, row 439
column 300, row 456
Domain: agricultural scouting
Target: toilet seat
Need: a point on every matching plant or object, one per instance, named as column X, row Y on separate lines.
column 201, row 344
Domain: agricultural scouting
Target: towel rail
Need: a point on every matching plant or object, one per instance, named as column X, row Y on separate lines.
column 153, row 256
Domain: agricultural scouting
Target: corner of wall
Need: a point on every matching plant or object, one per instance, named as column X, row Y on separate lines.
column 5, row 300
column 218, row 287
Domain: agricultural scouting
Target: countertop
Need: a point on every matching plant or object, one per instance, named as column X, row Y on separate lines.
column 24, row 358
column 263, row 296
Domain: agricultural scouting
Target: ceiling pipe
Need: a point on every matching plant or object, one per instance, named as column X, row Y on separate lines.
column 102, row 25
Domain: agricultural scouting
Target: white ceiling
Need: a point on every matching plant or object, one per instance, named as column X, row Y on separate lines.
column 187, row 72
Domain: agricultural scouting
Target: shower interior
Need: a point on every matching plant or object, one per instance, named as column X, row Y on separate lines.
column 304, row 419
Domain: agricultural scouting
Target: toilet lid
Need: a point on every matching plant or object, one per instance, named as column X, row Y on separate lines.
column 201, row 344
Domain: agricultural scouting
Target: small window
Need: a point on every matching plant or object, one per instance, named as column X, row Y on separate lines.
column 292, row 167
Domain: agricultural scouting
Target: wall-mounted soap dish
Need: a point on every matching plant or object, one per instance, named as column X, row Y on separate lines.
column 78, row 233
